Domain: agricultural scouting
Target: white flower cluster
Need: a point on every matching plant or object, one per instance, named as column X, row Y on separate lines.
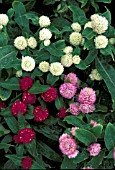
column 56, row 68
column 28, row 63
column 3, row 20
column 75, row 38
column 101, row 41
column 66, row 60
column 45, row 34
column 44, row 21
column 31, row 42
column 76, row 59
column 68, row 49
column 19, row 73
column 95, row 75
column 44, row 66
column 88, row 25
column 76, row 27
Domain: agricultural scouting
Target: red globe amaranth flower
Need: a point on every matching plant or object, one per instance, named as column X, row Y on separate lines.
column 2, row 105
column 26, row 83
column 16, row 139
column 62, row 113
column 50, row 95
column 26, row 135
column 26, row 162
column 39, row 114
column 28, row 98
column 18, row 107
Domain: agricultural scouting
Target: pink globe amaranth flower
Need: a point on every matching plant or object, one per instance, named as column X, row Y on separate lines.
column 2, row 105
column 74, row 154
column 28, row 98
column 62, row 113
column 67, row 90
column 88, row 168
column 39, row 114
column 87, row 96
column 50, row 95
column 72, row 78
column 26, row 162
column 74, row 108
column 73, row 130
column 86, row 108
column 94, row 123
column 26, row 135
column 25, row 83
column 94, row 149
column 17, row 107
column 114, row 154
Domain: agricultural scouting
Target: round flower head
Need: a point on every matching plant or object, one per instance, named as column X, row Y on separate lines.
column 28, row 98
column 50, row 95
column 25, row 83
column 87, row 96
column 26, row 135
column 62, row 113
column 72, row 78
column 74, row 108
column 95, row 75
column 68, row 50
column 3, row 19
column 76, row 59
column 101, row 41
column 47, row 43
column 94, row 149
column 31, row 42
column 44, row 21
column 88, row 25
column 44, row 66
column 112, row 41
column 45, row 34
column 19, row 73
column 88, row 168
column 26, row 162
column 66, row 60
column 94, row 16
column 94, row 123
column 39, row 114
column 75, row 38
column 76, row 27
column 28, row 63
column 56, row 69
column 20, row 43
column 67, row 90
column 1, row 27
column 73, row 129
column 18, row 107
column 86, row 108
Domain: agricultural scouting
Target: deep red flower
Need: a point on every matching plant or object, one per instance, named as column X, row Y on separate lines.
column 26, row 162
column 62, row 113
column 28, row 98
column 50, row 95
column 16, row 139
column 26, row 83
column 18, row 107
column 26, row 135
column 2, row 105
column 39, row 114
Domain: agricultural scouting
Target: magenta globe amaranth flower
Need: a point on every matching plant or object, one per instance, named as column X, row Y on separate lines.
column 94, row 149
column 72, row 78
column 86, row 108
column 74, row 108
column 67, row 90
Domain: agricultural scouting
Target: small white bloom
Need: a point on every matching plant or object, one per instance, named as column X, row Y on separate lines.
column 44, row 21
column 19, row 73
column 3, row 19
column 47, row 42
column 45, row 34
column 101, row 41
column 76, row 27
column 28, row 63
column 76, row 59
column 1, row 26
column 94, row 16
column 95, row 75
column 44, row 66
column 75, row 38
column 66, row 60
column 88, row 24
column 68, row 49
column 56, row 68
column 112, row 41
column 20, row 43
column 31, row 42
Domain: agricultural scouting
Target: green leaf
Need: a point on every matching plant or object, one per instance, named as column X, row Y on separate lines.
column 52, row 79
column 77, row 51
column 15, row 158
column 109, row 137
column 42, row 55
column 37, row 165
column 29, row 113
column 9, row 165
column 33, row 17
column 101, row 108
column 38, row 88
column 22, row 123
column 60, row 22
column 3, row 39
column 89, row 44
column 88, row 33
column 3, row 131
column 81, row 65
column 20, row 149
column 107, row 51
column 31, row 148
column 4, row 94
column 59, row 103
column 68, row 163
column 97, row 130
column 7, row 56
column 85, row 136
column 91, row 56
column 105, row 1
column 11, row 84
column 108, row 74
column 5, row 145
column 54, row 50
column 84, row 3
column 81, row 157
column 107, row 15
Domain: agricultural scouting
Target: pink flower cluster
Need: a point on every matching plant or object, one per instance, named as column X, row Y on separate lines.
column 94, row 149
column 94, row 123
column 74, row 108
column 68, row 146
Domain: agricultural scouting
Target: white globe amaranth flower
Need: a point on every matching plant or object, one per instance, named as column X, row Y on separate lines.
column 44, row 66
column 95, row 75
column 19, row 73
column 66, row 60
column 47, row 42
column 76, row 59
column 44, row 21
column 3, row 19
column 45, row 34
column 31, row 42
column 1, row 26
column 88, row 25
column 99, row 24
column 20, row 43
column 75, row 38
column 56, row 68
column 28, row 63
column 112, row 41
column 68, row 49
column 76, row 27
column 101, row 41
column 94, row 16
